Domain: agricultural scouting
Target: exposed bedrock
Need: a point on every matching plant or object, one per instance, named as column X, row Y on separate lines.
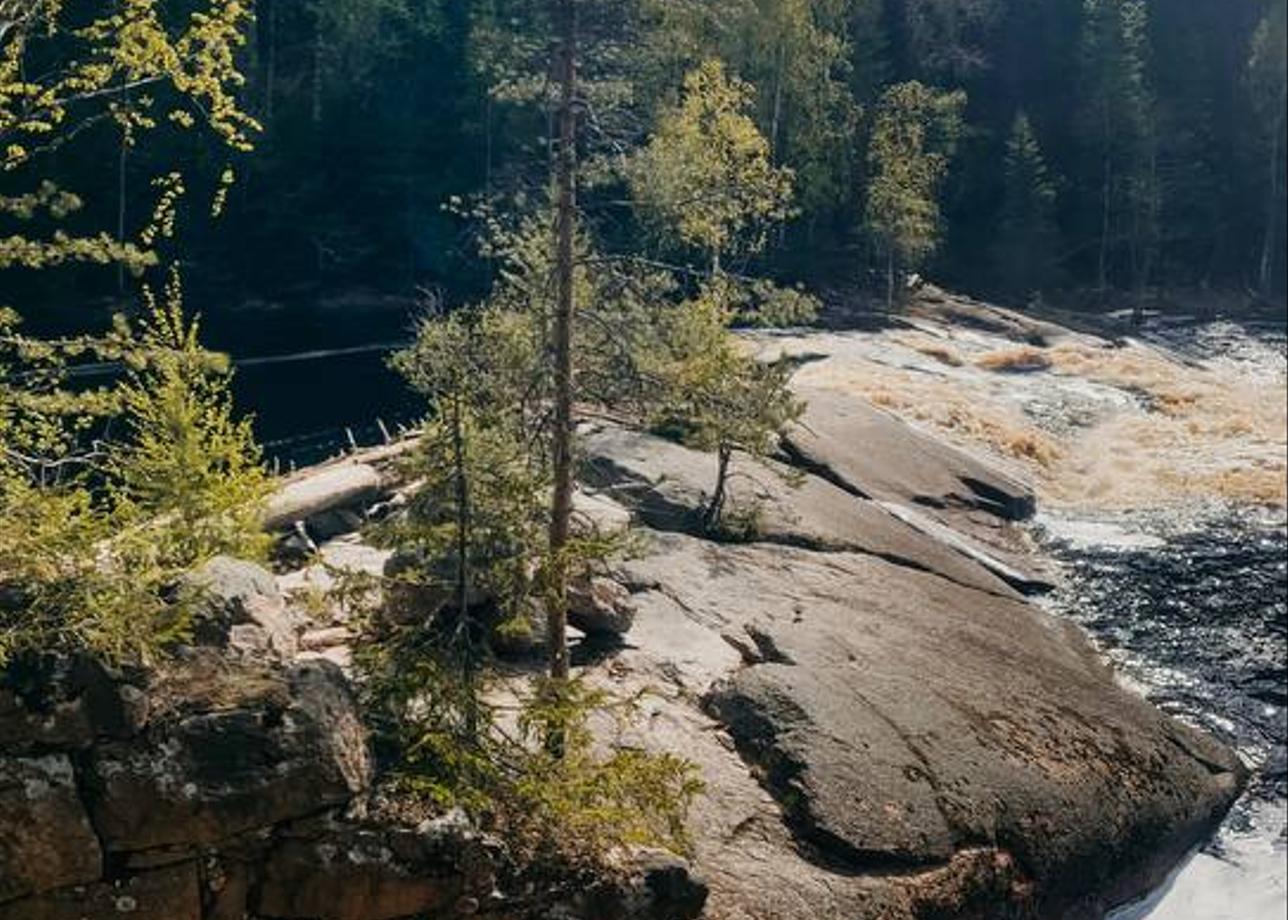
column 920, row 725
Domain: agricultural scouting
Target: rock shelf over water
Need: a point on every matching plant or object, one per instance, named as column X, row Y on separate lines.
column 888, row 727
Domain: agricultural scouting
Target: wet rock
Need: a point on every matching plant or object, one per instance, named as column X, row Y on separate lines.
column 46, row 840
column 166, row 894
column 65, row 702
column 599, row 606
column 211, row 775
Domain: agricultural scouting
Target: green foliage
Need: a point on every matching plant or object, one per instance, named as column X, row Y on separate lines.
column 1116, row 121
column 914, row 135
column 1028, row 240
column 794, row 55
column 706, row 173
column 136, row 64
column 595, row 803
column 96, row 532
column 576, row 806
column 185, row 461
column 96, row 529
column 714, row 395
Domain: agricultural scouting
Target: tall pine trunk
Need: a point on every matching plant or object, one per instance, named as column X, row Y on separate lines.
column 1106, row 212
column 1265, row 270
column 464, row 516
column 566, row 185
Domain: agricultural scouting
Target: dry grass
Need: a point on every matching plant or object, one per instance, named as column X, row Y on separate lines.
column 1015, row 360
column 941, row 353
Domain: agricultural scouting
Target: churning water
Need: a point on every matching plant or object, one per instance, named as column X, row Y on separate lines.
column 1191, row 606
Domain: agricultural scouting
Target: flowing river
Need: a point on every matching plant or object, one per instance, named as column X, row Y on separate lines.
column 1196, row 618
column 1191, row 607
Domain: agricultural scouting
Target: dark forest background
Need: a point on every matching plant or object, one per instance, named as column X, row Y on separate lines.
column 1154, row 132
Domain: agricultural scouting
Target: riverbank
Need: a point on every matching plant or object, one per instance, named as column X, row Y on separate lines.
column 833, row 661
column 888, row 724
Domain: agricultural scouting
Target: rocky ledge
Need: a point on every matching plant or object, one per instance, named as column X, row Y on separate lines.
column 887, row 725
column 221, row 789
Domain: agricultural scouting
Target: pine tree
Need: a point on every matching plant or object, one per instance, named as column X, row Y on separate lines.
column 95, row 529
column 1027, row 239
column 186, row 461
column 1268, row 78
column 712, row 393
column 1117, row 123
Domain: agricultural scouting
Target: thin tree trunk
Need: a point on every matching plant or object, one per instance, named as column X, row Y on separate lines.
column 121, row 192
column 566, row 180
column 776, row 124
column 270, row 67
column 1106, row 202
column 1265, row 270
column 318, row 53
column 775, row 120
column 890, row 280
column 715, row 508
column 463, row 518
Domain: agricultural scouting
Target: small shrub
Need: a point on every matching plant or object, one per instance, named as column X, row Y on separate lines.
column 540, row 780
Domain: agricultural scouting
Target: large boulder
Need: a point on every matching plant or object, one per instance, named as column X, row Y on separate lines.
column 956, row 498
column 46, row 840
column 599, row 606
column 667, row 484
column 169, row 893
column 239, row 603
column 871, row 452
column 902, row 721
column 344, row 872
column 288, row 748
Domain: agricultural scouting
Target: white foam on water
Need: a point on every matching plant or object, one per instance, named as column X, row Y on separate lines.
column 1247, row 881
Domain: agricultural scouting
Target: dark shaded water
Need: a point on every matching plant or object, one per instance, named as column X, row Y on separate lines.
column 1194, row 614
column 315, row 373
column 1199, row 619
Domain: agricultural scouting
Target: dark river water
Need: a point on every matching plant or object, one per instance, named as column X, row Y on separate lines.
column 1191, row 607
column 1195, row 616
column 315, row 374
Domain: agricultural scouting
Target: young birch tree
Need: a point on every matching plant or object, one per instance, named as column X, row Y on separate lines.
column 914, row 136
